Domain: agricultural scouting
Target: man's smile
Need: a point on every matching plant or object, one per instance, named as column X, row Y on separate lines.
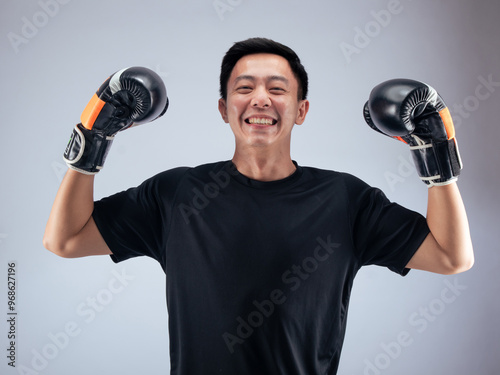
column 258, row 120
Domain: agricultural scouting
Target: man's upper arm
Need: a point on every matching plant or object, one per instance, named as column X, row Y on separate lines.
column 430, row 257
column 87, row 242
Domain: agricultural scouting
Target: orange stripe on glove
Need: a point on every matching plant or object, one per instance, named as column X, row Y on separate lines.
column 91, row 111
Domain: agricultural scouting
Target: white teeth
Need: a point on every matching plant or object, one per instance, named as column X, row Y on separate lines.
column 260, row 121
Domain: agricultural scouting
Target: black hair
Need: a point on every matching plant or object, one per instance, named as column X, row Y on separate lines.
column 262, row 45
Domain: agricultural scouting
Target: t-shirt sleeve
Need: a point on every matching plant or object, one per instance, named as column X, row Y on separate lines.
column 135, row 222
column 384, row 233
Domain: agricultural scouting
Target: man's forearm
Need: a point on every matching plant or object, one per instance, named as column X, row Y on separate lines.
column 447, row 220
column 71, row 211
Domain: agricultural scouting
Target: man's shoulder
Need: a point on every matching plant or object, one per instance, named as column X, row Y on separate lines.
column 210, row 167
column 179, row 173
column 333, row 175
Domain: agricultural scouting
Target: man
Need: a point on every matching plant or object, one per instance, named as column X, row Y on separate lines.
column 259, row 253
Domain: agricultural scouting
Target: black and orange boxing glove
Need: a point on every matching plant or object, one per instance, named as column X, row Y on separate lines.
column 131, row 96
column 413, row 112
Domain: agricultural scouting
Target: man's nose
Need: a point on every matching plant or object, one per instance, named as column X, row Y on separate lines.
column 261, row 98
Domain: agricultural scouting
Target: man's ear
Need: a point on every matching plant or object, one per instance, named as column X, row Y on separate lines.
column 223, row 110
column 302, row 112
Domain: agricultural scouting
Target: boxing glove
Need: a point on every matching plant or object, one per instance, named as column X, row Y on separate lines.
column 129, row 97
column 414, row 113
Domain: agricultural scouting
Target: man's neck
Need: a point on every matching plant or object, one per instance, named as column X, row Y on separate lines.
column 263, row 166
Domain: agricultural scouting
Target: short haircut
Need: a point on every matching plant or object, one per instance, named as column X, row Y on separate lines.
column 262, row 45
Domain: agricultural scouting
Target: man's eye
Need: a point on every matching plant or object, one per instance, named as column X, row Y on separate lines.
column 244, row 89
column 277, row 89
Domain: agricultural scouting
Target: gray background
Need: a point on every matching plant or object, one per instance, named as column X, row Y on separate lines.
column 56, row 54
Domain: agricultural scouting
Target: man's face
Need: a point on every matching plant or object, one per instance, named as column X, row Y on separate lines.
column 262, row 103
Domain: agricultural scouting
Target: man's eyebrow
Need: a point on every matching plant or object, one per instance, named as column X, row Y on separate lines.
column 244, row 77
column 278, row 78
column 269, row 78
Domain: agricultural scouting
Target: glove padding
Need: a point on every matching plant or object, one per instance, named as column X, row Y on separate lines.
column 131, row 96
column 414, row 113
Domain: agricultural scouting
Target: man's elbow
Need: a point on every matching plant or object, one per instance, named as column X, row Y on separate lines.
column 83, row 244
column 460, row 265
column 57, row 247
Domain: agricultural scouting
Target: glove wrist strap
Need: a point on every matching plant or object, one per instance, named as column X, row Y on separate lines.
column 87, row 150
column 437, row 163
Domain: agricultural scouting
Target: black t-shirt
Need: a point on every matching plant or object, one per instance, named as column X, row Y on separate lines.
column 258, row 273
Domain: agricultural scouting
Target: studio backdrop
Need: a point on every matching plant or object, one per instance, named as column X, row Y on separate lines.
column 81, row 316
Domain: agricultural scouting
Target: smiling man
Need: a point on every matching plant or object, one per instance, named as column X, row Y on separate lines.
column 259, row 253
column 262, row 104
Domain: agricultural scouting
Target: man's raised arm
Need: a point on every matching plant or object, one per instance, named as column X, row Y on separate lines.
column 130, row 97
column 413, row 112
